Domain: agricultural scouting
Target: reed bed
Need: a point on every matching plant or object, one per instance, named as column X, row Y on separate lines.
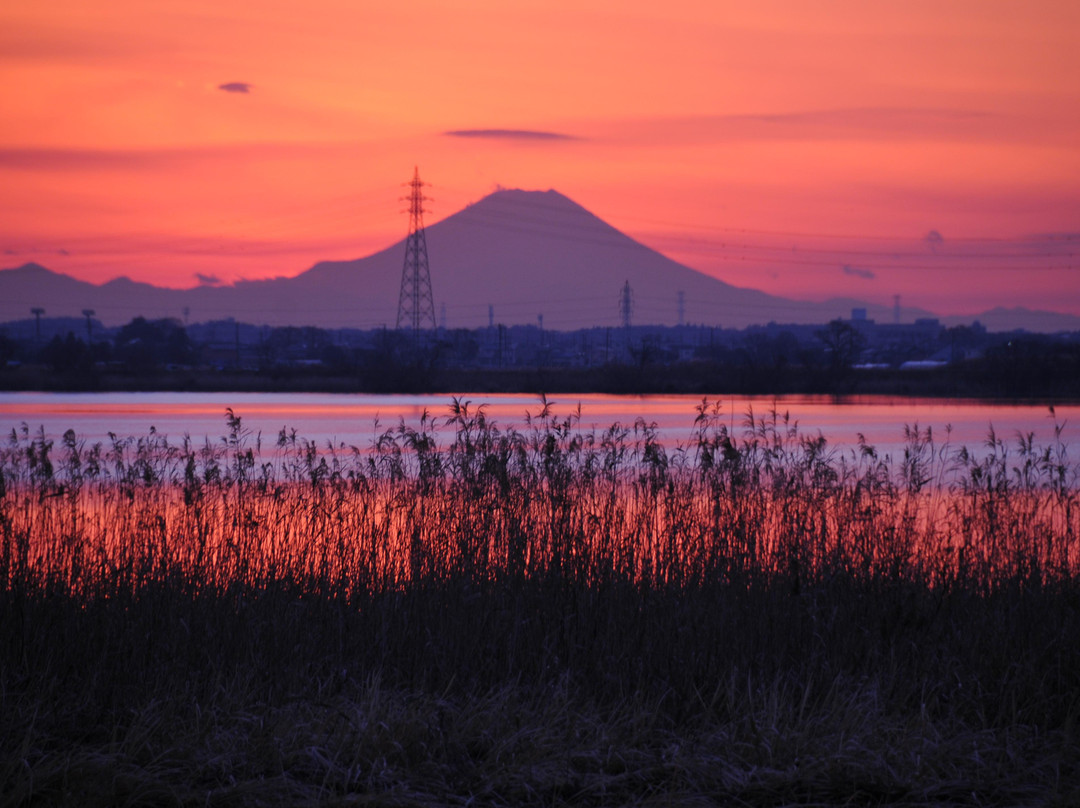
column 459, row 611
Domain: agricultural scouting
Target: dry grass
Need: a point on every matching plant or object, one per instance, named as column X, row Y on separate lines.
column 370, row 745
column 540, row 616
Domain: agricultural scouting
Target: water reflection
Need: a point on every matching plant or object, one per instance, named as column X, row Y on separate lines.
column 354, row 420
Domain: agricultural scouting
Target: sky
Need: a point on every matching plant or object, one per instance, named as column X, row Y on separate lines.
column 811, row 149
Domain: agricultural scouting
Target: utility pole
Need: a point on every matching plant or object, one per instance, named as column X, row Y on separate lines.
column 88, row 313
column 416, row 307
column 37, row 311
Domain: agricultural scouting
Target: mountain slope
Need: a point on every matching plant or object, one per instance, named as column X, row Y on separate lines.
column 527, row 253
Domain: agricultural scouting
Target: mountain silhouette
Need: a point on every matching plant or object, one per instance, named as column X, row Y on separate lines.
column 521, row 253
column 531, row 253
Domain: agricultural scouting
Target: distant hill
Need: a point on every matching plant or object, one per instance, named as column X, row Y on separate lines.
column 523, row 253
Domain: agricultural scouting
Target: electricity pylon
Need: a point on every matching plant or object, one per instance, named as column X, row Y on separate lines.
column 416, row 307
column 626, row 312
column 88, row 313
column 626, row 305
column 37, row 311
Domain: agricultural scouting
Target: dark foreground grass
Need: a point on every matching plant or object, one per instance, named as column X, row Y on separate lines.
column 784, row 701
column 367, row 744
column 539, row 618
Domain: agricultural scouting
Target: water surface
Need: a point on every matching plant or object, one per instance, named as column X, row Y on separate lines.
column 354, row 420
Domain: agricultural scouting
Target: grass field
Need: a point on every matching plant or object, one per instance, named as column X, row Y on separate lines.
column 466, row 614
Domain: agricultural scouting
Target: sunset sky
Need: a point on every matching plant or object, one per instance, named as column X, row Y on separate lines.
column 810, row 149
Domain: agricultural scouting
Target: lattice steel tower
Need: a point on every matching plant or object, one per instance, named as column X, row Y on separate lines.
column 626, row 313
column 416, row 307
column 626, row 306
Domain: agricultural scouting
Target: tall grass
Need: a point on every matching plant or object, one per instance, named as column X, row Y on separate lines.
column 552, row 500
column 745, row 576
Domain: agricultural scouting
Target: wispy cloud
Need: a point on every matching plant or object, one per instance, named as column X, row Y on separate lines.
column 856, row 272
column 891, row 122
column 236, row 87
column 59, row 40
column 884, row 124
column 508, row 134
column 32, row 159
column 207, row 280
column 1056, row 237
column 63, row 159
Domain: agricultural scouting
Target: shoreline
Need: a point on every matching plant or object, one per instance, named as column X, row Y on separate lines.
column 961, row 383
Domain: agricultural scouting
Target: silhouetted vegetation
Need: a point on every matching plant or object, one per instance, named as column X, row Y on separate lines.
column 456, row 612
column 145, row 346
column 1031, row 362
column 845, row 357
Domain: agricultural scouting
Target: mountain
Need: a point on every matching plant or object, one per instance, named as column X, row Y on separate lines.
column 521, row 253
column 114, row 302
column 531, row 253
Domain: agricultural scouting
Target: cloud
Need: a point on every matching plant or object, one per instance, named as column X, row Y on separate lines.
column 32, row 159
column 856, row 272
column 885, row 122
column 53, row 159
column 876, row 124
column 55, row 41
column 508, row 134
column 207, row 280
column 1063, row 236
column 236, row 87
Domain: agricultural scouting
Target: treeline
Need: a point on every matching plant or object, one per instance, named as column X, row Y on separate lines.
column 838, row 358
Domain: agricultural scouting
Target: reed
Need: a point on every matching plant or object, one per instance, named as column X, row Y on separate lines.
column 857, row 624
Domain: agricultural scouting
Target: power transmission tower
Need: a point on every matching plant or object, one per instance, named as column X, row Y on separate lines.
column 37, row 311
column 626, row 305
column 416, row 307
column 626, row 312
column 88, row 313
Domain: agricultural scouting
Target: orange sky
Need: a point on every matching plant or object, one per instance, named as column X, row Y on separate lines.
column 803, row 148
